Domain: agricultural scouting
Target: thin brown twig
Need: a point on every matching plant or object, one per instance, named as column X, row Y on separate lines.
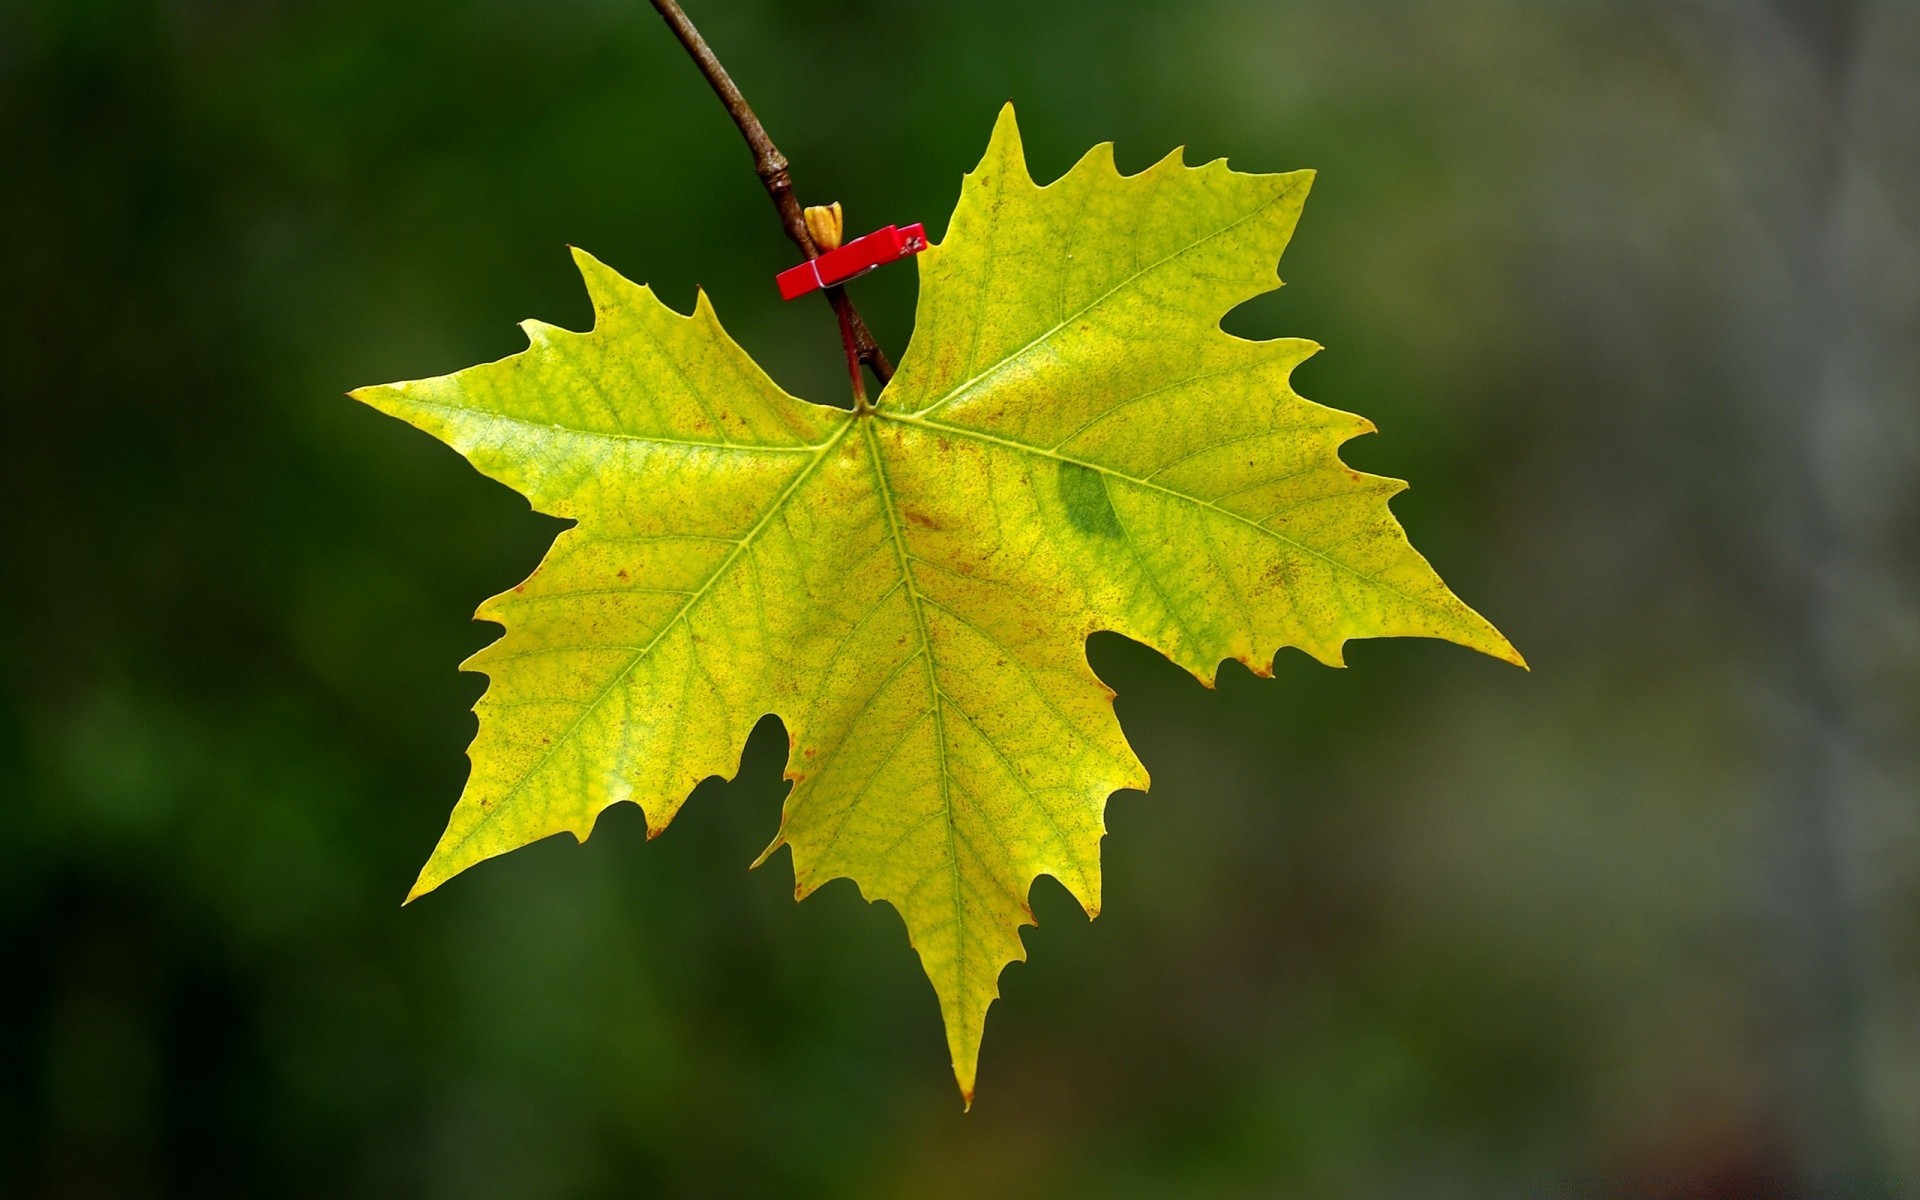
column 772, row 167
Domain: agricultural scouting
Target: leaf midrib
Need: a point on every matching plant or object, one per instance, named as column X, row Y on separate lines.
column 936, row 698
column 555, row 426
column 1041, row 452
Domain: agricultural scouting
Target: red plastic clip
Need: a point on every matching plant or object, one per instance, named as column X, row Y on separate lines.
column 857, row 257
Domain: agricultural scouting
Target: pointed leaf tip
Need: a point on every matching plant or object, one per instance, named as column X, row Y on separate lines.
column 420, row 888
column 1005, row 140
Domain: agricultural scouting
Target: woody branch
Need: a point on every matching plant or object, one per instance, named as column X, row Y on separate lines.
column 773, row 169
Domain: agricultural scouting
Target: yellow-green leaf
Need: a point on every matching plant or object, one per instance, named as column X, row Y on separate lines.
column 1071, row 444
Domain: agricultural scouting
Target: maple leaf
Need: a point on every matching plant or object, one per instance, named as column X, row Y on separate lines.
column 1071, row 444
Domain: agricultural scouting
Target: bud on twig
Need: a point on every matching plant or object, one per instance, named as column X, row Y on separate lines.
column 825, row 226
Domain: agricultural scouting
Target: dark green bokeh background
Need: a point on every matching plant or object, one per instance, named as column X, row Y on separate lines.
column 1631, row 290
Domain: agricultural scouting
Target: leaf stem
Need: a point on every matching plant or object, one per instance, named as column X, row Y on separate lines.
column 772, row 167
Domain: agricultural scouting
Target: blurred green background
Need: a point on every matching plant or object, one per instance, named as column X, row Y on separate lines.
column 1632, row 290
